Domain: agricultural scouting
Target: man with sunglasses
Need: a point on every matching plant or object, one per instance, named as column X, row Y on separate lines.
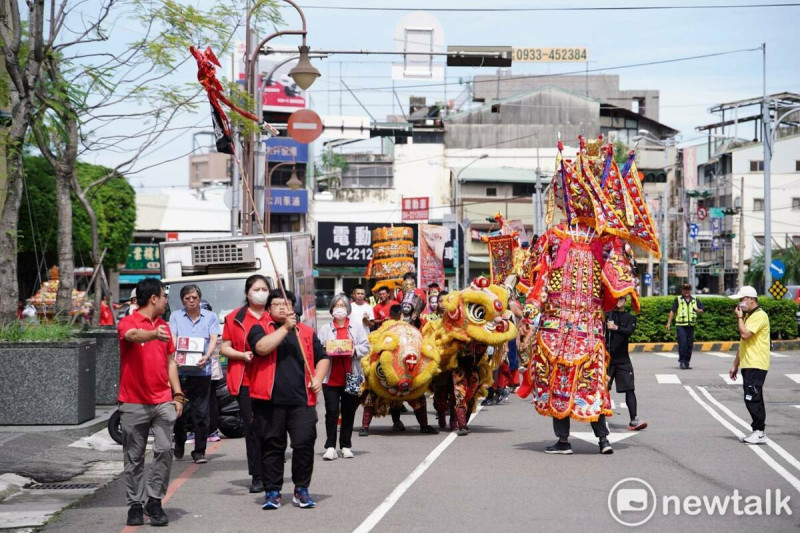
column 194, row 321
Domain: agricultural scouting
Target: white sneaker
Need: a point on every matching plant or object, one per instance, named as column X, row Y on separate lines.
column 330, row 454
column 756, row 437
column 347, row 453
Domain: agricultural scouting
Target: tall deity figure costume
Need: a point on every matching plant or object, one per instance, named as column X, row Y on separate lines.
column 574, row 273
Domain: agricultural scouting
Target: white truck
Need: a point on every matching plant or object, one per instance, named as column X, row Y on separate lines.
column 219, row 267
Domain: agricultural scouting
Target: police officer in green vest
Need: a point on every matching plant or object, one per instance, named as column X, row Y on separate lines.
column 685, row 309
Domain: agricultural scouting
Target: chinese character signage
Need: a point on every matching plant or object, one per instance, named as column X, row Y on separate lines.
column 285, row 150
column 431, row 254
column 416, row 209
column 143, row 257
column 350, row 243
column 288, row 201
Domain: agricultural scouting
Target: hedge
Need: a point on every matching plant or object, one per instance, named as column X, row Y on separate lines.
column 717, row 323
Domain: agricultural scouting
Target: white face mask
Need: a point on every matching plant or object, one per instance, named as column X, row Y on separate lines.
column 743, row 306
column 259, row 297
column 339, row 312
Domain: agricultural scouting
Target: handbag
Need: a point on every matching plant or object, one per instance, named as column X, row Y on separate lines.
column 352, row 383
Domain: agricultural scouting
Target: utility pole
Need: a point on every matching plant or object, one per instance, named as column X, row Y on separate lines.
column 766, row 139
column 664, row 245
column 740, row 278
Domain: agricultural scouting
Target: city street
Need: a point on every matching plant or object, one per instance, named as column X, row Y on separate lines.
column 498, row 478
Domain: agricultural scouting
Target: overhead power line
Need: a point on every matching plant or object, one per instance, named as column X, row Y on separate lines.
column 546, row 9
column 571, row 73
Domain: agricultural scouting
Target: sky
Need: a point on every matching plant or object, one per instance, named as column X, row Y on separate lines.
column 613, row 38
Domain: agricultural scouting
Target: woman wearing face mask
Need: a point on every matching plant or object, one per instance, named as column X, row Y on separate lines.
column 234, row 346
column 345, row 344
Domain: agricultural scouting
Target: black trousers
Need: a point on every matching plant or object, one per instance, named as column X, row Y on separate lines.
column 251, row 441
column 273, row 423
column 198, row 392
column 561, row 427
column 337, row 399
column 753, row 381
column 685, row 343
column 213, row 407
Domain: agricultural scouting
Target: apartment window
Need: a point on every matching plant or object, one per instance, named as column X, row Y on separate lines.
column 797, row 165
column 795, row 204
column 758, row 204
column 491, row 191
column 368, row 176
column 757, row 166
column 523, row 189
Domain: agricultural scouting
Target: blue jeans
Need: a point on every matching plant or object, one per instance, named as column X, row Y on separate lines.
column 685, row 342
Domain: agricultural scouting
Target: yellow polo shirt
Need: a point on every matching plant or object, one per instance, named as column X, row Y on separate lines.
column 754, row 352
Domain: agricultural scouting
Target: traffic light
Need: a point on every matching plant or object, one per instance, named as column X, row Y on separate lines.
column 731, row 210
column 694, row 258
column 728, row 235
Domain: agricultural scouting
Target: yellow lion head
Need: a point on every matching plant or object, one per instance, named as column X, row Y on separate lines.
column 479, row 313
column 401, row 364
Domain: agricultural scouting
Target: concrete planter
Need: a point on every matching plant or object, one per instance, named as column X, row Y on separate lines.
column 106, row 363
column 47, row 383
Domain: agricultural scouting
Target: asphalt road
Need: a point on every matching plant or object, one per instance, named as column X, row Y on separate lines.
column 498, row 478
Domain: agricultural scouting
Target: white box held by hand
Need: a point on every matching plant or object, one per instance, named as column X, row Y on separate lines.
column 191, row 344
column 188, row 358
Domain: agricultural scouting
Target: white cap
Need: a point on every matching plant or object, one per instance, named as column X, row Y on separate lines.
column 133, row 293
column 746, row 291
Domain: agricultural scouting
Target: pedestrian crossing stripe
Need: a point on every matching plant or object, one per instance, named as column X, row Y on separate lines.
column 667, row 354
column 794, row 377
column 721, row 354
column 776, row 354
column 589, row 437
column 729, row 381
column 671, row 379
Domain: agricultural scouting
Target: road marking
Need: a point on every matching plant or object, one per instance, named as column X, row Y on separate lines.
column 668, row 379
column 377, row 515
column 793, row 481
column 623, row 405
column 721, row 354
column 178, row 482
column 772, row 444
column 667, row 354
column 589, row 437
column 794, row 377
column 779, row 355
column 730, row 381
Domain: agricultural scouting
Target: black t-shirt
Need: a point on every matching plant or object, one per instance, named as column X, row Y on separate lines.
column 617, row 339
column 290, row 373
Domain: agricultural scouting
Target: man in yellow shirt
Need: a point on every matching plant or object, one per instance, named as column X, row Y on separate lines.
column 753, row 358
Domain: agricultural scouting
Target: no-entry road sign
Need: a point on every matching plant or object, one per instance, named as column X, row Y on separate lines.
column 304, row 126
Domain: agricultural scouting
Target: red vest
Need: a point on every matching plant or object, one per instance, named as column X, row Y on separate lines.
column 261, row 372
column 234, row 330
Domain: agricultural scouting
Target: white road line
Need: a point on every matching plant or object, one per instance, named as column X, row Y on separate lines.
column 729, row 381
column 667, row 354
column 791, row 479
column 721, row 354
column 794, row 377
column 377, row 515
column 623, row 405
column 779, row 355
column 772, row 444
column 668, row 379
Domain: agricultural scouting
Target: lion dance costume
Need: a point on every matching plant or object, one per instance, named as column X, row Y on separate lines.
column 576, row 271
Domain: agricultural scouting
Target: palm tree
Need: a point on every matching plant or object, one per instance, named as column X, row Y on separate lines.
column 790, row 257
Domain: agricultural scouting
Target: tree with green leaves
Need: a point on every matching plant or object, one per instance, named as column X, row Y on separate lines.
column 790, row 257
column 122, row 96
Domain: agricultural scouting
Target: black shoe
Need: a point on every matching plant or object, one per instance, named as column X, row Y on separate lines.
column 463, row 432
column 256, row 486
column 684, row 366
column 688, row 366
column 429, row 430
column 605, row 447
column 157, row 515
column 135, row 515
column 199, row 457
column 398, row 427
column 178, row 452
column 363, row 432
column 562, row 448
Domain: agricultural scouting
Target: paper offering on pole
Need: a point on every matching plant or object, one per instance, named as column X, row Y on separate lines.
column 339, row 347
column 188, row 358
column 191, row 344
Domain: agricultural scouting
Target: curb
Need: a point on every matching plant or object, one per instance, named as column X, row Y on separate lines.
column 712, row 346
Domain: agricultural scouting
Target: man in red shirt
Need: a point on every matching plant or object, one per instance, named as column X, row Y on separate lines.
column 384, row 305
column 150, row 397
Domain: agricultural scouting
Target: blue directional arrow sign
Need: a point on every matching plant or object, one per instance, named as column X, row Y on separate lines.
column 648, row 279
column 694, row 230
column 777, row 269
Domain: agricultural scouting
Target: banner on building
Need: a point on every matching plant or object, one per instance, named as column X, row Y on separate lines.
column 690, row 168
column 431, row 254
column 501, row 254
column 279, row 92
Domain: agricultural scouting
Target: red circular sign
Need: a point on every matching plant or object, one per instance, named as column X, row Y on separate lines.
column 305, row 126
column 702, row 213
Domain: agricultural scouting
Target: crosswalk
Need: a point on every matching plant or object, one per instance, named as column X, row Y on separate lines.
column 674, row 379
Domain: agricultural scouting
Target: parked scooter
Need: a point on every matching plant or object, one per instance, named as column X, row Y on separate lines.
column 230, row 419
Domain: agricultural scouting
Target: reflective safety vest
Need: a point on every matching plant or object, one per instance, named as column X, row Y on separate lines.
column 687, row 312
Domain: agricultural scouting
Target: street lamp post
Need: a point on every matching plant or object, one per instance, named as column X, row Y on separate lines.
column 303, row 74
column 294, row 183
